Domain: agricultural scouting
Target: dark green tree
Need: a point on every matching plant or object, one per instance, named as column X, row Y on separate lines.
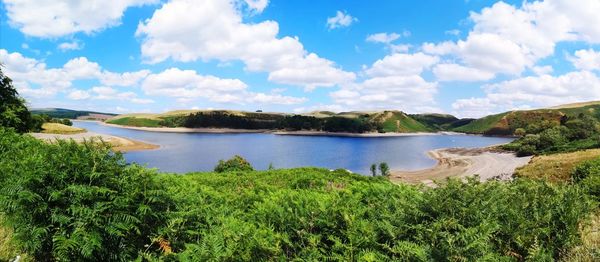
column 384, row 169
column 374, row 169
column 13, row 112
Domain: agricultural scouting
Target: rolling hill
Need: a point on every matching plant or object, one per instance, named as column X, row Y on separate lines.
column 506, row 123
column 72, row 114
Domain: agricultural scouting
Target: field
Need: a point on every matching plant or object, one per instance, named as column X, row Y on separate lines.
column 55, row 128
column 556, row 167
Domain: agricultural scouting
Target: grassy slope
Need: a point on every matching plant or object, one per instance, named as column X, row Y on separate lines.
column 55, row 128
column 481, row 125
column 134, row 121
column 511, row 119
column 556, row 167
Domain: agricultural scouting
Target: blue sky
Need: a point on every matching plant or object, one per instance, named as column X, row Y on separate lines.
column 468, row 58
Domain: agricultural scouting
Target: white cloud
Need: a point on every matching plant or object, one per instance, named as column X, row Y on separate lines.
column 508, row 40
column 542, row 70
column 401, row 65
column 187, row 84
column 341, row 19
column 384, row 38
column 56, row 18
column 533, row 92
column 124, row 79
column 586, row 59
column 33, row 79
column 454, row 72
column 66, row 46
column 186, row 31
column 79, row 95
column 257, row 5
column 408, row 93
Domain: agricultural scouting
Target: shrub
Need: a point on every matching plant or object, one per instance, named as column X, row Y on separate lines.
column 77, row 202
column 237, row 163
column 526, row 150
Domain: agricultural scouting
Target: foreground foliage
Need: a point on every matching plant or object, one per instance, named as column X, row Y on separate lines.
column 66, row 201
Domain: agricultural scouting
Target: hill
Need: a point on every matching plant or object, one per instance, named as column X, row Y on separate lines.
column 72, row 114
column 508, row 122
column 355, row 121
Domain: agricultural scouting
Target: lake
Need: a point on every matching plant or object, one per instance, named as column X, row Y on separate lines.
column 187, row 152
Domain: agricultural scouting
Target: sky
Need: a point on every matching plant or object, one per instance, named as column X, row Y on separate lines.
column 469, row 58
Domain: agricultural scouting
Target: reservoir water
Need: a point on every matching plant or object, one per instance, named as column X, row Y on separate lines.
column 188, row 152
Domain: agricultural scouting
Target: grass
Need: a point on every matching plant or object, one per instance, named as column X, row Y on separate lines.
column 556, row 167
column 134, row 121
column 55, row 128
column 481, row 125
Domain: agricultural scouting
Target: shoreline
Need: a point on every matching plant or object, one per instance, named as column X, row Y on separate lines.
column 274, row 132
column 488, row 162
column 119, row 144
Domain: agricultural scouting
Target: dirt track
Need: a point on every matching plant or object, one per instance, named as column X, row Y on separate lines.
column 459, row 162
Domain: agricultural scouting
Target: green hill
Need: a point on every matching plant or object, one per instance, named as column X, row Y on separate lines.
column 386, row 121
column 506, row 123
column 71, row 114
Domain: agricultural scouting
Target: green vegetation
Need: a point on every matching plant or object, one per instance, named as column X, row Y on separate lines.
column 13, row 110
column 441, row 122
column 235, row 164
column 66, row 201
column 570, row 134
column 352, row 122
column 135, row 121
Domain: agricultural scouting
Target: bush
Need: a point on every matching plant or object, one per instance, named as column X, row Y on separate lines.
column 235, row 164
column 526, row 150
column 77, row 202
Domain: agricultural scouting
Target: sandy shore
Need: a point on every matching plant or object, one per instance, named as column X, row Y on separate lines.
column 119, row 143
column 488, row 163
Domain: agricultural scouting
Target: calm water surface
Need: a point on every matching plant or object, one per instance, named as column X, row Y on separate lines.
column 187, row 152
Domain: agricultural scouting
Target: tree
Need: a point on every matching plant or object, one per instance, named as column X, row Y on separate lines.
column 237, row 163
column 384, row 169
column 374, row 169
column 520, row 132
column 13, row 112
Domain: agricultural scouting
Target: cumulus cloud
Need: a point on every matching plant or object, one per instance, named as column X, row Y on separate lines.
column 33, row 78
column 188, row 84
column 454, row 72
column 533, row 91
column 56, row 18
column 507, row 39
column 341, row 19
column 586, row 59
column 186, row 30
column 401, row 65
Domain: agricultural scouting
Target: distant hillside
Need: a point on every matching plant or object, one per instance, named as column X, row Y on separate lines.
column 386, row 121
column 72, row 114
column 441, row 121
column 506, row 123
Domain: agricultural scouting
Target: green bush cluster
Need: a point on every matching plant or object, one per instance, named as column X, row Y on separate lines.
column 235, row 164
column 82, row 202
column 574, row 133
column 588, row 176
